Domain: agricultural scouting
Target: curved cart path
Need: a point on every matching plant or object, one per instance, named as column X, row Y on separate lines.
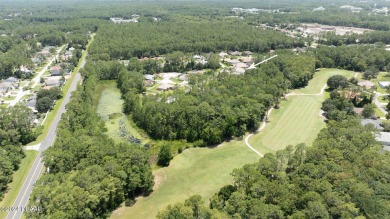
column 264, row 122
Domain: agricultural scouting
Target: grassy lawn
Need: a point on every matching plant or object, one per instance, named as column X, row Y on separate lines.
column 200, row 171
column 18, row 178
column 9, row 98
column 297, row 120
column 382, row 76
column 109, row 107
column 204, row 170
column 379, row 113
column 320, row 78
column 383, row 99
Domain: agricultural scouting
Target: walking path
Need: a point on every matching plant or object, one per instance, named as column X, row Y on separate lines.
column 381, row 106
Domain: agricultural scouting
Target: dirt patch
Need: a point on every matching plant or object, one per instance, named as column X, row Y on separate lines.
column 158, row 179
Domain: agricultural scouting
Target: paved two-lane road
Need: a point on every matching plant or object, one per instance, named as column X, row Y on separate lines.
column 24, row 194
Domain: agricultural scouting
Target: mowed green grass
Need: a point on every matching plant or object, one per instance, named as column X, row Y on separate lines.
column 320, row 78
column 298, row 119
column 200, row 171
column 17, row 181
column 204, row 171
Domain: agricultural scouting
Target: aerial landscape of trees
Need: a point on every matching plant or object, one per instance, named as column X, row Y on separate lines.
column 344, row 173
column 89, row 175
column 16, row 128
column 153, row 39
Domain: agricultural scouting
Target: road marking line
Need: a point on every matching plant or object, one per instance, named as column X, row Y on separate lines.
column 28, row 185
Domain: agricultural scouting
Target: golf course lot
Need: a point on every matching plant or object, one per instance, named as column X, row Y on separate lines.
column 204, row 171
column 200, row 171
column 299, row 119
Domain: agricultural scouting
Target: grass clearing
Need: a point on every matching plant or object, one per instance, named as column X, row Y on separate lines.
column 200, row 171
column 320, row 78
column 382, row 76
column 383, row 99
column 379, row 113
column 18, row 178
column 9, row 98
column 204, row 171
column 108, row 105
column 297, row 120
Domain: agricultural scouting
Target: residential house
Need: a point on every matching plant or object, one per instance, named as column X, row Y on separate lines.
column 6, row 86
column 196, row 72
column 12, row 80
column 25, row 70
column 148, row 83
column 183, row 77
column 149, row 77
column 384, row 139
column 235, row 53
column 55, row 70
column 36, row 60
column 238, row 71
column 198, row 57
column 31, row 102
column 375, row 123
column 53, row 81
column 384, row 84
column 233, row 61
column 165, row 87
column 366, row 84
column 223, row 54
column 247, row 60
column 241, row 65
column 249, row 53
column 45, row 53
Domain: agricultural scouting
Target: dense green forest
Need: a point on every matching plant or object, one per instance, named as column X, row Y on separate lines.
column 153, row 39
column 16, row 128
column 357, row 58
column 214, row 107
column 345, row 174
column 89, row 175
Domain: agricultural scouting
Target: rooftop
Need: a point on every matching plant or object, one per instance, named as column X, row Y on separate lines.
column 383, row 137
column 376, row 123
column 367, row 84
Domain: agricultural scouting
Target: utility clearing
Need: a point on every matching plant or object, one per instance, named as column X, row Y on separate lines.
column 204, row 171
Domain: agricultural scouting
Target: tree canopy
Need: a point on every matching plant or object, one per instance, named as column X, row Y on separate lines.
column 345, row 174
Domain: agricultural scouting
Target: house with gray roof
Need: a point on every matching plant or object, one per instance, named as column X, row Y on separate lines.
column 384, row 139
column 5, row 86
column 53, row 81
column 149, row 77
column 375, row 123
column 11, row 79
